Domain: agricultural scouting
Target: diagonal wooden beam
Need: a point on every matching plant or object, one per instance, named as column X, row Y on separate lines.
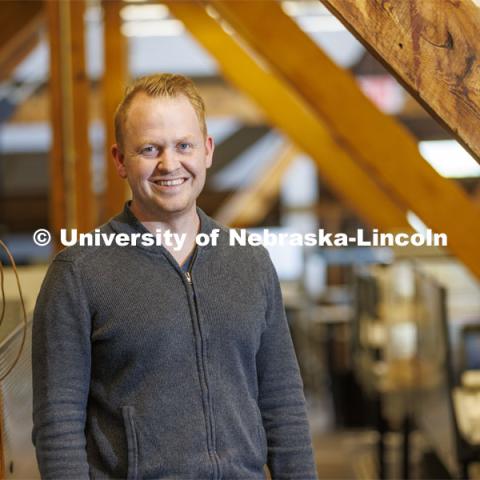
column 377, row 141
column 286, row 110
column 20, row 24
column 432, row 47
column 249, row 206
column 10, row 62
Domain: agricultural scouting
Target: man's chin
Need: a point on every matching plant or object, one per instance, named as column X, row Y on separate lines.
column 173, row 209
column 155, row 210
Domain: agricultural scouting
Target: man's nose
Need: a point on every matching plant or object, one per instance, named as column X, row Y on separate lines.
column 167, row 162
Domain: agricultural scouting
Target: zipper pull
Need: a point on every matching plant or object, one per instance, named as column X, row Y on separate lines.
column 189, row 277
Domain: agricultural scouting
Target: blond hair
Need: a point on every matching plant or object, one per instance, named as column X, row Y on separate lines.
column 160, row 85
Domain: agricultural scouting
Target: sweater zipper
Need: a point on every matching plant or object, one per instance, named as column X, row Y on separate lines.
column 211, row 447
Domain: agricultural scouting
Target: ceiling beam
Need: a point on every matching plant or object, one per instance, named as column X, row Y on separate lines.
column 432, row 47
column 381, row 146
column 286, row 110
column 20, row 24
column 249, row 206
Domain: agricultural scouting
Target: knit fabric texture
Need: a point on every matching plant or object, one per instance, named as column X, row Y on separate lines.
column 140, row 374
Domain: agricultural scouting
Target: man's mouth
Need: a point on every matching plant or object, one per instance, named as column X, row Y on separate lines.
column 169, row 183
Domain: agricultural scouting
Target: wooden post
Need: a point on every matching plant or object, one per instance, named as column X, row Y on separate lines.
column 72, row 198
column 58, row 208
column 114, row 83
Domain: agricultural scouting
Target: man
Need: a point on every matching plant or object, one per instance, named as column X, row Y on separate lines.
column 152, row 362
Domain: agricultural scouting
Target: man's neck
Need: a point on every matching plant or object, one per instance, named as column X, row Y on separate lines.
column 187, row 225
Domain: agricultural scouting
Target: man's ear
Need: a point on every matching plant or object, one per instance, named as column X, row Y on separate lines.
column 209, row 148
column 119, row 159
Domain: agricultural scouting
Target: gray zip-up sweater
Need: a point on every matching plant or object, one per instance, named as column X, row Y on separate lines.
column 140, row 374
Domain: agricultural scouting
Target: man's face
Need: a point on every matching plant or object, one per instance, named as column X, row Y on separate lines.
column 164, row 157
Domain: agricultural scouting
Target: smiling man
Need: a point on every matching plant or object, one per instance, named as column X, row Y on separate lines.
column 163, row 150
column 152, row 362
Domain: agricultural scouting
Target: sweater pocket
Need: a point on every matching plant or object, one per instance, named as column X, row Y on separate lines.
column 132, row 442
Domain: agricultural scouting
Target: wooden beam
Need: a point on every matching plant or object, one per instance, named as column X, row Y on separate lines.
column 286, row 110
column 249, row 206
column 114, row 83
column 10, row 63
column 476, row 196
column 432, row 47
column 84, row 199
column 57, row 194
column 20, row 24
column 383, row 148
column 71, row 189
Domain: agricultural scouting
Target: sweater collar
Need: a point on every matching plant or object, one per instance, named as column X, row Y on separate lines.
column 127, row 222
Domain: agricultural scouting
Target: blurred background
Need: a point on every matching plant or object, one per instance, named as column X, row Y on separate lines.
column 316, row 126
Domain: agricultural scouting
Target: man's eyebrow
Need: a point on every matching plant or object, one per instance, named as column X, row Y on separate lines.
column 147, row 141
column 190, row 138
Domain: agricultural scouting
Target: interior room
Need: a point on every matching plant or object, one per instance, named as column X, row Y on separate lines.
column 346, row 144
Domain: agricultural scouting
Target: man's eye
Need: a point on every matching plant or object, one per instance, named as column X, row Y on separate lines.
column 184, row 146
column 149, row 150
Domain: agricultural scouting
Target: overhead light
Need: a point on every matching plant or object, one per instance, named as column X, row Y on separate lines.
column 415, row 222
column 449, row 159
column 132, row 13
column 158, row 28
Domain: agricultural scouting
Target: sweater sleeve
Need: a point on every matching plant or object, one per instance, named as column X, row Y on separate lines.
column 281, row 398
column 61, row 361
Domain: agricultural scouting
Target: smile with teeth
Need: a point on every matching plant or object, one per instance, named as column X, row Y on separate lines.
column 170, row 183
